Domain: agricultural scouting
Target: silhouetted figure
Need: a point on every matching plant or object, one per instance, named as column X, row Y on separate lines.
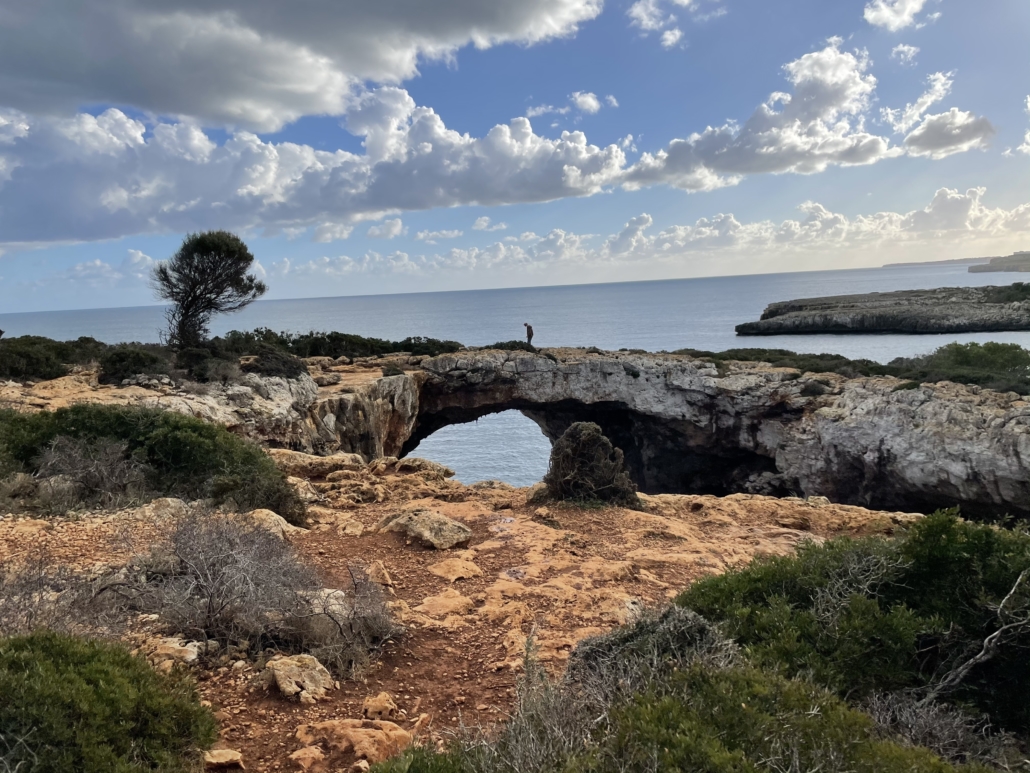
column 1, row 333
column 529, row 333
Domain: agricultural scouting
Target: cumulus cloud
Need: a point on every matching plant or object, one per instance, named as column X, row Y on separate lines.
column 253, row 64
column 817, row 126
column 90, row 177
column 893, row 15
column 107, row 176
column 952, row 218
column 135, row 269
column 585, row 101
column 938, row 87
column 905, row 54
column 388, row 229
column 671, row 37
column 654, row 16
column 945, row 134
column 1025, row 147
column 941, row 135
column 484, row 224
column 431, row 237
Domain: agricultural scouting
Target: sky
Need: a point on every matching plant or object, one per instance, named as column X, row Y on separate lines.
column 385, row 146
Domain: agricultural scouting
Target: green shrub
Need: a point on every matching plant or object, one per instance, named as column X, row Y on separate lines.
column 90, row 707
column 1003, row 367
column 332, row 344
column 513, row 346
column 742, row 720
column 186, row 456
column 122, row 362
column 39, row 358
column 871, row 616
column 270, row 361
column 586, row 467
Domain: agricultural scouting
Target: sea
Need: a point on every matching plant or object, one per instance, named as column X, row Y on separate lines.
column 656, row 316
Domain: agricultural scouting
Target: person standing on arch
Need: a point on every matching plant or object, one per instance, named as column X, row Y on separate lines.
column 529, row 333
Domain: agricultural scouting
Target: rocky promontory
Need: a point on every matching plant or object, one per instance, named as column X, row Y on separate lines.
column 941, row 310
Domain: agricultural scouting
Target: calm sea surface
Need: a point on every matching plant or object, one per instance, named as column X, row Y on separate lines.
column 673, row 314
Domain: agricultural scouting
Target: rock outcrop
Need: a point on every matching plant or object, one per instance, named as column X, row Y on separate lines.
column 684, row 425
column 943, row 310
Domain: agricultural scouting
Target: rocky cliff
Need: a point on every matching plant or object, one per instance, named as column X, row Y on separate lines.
column 942, row 310
column 685, row 425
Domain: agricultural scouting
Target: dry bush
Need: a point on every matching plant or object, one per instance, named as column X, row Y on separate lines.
column 221, row 579
column 555, row 720
column 35, row 594
column 88, row 471
column 612, row 667
column 946, row 730
column 586, row 467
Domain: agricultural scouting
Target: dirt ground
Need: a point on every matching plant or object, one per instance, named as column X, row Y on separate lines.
column 557, row 573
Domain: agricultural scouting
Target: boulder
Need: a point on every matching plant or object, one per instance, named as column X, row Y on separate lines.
column 300, row 675
column 456, row 569
column 223, row 759
column 273, row 522
column 380, row 706
column 307, row 757
column 371, row 740
column 428, row 526
column 309, row 466
column 390, row 465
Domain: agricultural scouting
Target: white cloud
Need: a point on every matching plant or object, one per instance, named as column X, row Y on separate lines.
column 671, row 37
column 430, row 237
column 952, row 218
column 648, row 15
column 331, row 232
column 255, row 64
column 539, row 110
column 945, row 134
column 1025, row 147
column 104, row 177
column 612, row 101
column 939, row 86
column 819, row 125
column 107, row 176
column 893, row 15
column 483, row 224
column 135, row 269
column 905, row 54
column 585, row 101
column 388, row 229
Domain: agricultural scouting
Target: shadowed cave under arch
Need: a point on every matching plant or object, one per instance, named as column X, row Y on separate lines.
column 662, row 456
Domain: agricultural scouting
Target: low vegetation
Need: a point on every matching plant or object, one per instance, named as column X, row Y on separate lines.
column 1003, row 367
column 76, row 705
column 201, row 585
column 89, row 452
column 873, row 655
column 944, row 611
column 316, row 344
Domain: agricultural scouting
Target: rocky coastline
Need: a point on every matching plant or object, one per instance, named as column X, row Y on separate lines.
column 941, row 310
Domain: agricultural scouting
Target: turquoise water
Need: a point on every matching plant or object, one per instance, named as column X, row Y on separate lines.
column 673, row 314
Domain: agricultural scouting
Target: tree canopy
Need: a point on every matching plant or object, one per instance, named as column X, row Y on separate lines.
column 207, row 275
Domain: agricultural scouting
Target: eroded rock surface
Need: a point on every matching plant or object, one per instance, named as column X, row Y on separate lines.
column 684, row 425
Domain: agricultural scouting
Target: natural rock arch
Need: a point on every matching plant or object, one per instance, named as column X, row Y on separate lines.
column 684, row 426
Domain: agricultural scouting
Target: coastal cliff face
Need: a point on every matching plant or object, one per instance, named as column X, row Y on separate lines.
column 684, row 425
column 942, row 310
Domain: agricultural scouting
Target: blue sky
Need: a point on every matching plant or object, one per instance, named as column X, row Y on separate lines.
column 398, row 145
